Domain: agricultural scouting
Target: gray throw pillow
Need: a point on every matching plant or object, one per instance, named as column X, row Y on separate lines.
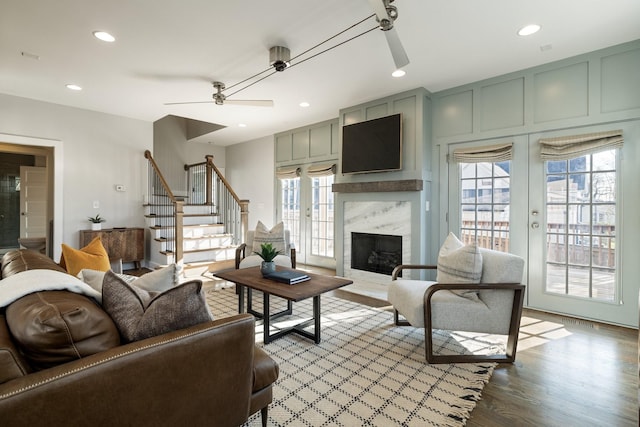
column 156, row 280
column 458, row 263
column 140, row 314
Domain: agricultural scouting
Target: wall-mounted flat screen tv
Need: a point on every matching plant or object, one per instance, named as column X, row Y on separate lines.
column 373, row 145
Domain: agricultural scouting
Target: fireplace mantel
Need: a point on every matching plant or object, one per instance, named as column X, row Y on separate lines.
column 378, row 186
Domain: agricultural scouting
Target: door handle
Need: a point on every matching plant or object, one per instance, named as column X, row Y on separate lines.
column 535, row 225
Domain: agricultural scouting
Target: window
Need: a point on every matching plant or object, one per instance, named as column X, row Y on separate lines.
column 485, row 204
column 291, row 208
column 581, row 225
column 322, row 216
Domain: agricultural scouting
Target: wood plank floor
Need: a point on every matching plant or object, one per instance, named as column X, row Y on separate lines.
column 568, row 372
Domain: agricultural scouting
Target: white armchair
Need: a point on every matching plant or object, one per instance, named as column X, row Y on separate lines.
column 245, row 257
column 496, row 310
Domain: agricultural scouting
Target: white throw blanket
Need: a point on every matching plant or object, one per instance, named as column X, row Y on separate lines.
column 30, row 281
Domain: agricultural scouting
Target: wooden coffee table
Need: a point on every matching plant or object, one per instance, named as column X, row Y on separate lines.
column 251, row 278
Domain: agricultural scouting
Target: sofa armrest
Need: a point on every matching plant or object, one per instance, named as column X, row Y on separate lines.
column 201, row 375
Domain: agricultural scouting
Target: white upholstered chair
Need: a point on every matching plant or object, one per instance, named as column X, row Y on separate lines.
column 245, row 257
column 496, row 310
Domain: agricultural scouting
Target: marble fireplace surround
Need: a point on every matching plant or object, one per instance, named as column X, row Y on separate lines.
column 376, row 217
column 377, row 207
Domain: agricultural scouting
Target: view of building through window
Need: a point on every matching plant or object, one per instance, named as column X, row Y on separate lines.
column 580, row 219
column 581, row 226
column 485, row 204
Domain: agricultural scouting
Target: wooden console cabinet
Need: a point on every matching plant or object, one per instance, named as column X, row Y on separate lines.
column 124, row 243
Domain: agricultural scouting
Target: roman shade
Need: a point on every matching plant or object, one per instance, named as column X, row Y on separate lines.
column 288, row 172
column 317, row 171
column 569, row 147
column 489, row 153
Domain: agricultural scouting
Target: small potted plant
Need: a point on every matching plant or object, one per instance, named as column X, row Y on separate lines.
column 268, row 254
column 96, row 222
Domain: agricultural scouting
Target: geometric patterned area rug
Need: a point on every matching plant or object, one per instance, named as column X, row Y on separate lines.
column 366, row 371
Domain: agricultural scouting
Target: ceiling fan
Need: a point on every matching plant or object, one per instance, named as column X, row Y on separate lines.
column 386, row 14
column 220, row 99
column 280, row 56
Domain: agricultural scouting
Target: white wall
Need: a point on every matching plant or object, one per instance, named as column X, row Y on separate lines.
column 99, row 151
column 250, row 171
column 197, row 150
column 171, row 151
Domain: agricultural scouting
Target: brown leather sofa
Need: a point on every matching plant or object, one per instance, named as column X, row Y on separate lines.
column 211, row 374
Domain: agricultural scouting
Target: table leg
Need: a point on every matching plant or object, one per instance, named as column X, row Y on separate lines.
column 240, row 290
column 316, row 318
column 266, row 318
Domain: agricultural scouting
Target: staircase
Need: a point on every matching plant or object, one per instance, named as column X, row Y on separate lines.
column 199, row 232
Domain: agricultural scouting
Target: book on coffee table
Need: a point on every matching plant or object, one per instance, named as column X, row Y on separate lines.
column 288, row 277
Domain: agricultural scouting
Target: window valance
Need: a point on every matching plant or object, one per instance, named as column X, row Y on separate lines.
column 317, row 171
column 288, row 172
column 568, row 147
column 489, row 153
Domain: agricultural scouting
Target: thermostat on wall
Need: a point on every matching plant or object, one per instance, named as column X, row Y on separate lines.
column 120, row 187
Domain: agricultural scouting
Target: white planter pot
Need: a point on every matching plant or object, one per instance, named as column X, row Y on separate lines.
column 95, row 226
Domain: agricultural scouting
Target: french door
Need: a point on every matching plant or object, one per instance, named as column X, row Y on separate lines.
column 563, row 217
column 307, row 210
column 575, row 218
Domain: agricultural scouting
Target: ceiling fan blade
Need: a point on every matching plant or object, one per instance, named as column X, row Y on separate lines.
column 250, row 102
column 378, row 8
column 190, row 102
column 397, row 51
column 245, row 102
column 393, row 40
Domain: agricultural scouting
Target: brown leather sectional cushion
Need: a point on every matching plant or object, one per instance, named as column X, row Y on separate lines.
column 55, row 327
column 19, row 260
column 12, row 364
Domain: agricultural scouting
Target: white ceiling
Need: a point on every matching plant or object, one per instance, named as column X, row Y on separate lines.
column 170, row 51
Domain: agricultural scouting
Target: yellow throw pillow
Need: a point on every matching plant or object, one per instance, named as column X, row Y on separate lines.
column 93, row 256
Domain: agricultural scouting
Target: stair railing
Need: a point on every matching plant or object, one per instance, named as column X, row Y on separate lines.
column 207, row 186
column 166, row 210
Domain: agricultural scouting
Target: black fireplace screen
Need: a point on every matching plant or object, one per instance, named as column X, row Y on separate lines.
column 378, row 253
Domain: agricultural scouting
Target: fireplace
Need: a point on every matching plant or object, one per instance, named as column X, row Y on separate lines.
column 377, row 253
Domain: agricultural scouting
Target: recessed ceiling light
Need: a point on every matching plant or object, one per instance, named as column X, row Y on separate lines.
column 104, row 36
column 304, row 104
column 73, row 87
column 398, row 73
column 528, row 30
column 242, row 125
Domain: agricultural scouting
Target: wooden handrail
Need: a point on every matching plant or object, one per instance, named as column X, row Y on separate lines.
column 222, row 178
column 147, row 155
